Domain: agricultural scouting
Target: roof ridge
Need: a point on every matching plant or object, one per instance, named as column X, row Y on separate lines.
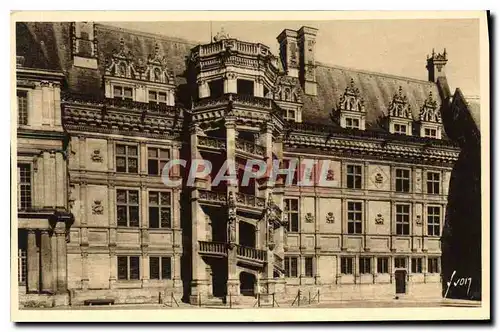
column 364, row 71
column 148, row 34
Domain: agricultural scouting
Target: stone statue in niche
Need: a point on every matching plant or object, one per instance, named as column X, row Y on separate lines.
column 330, row 218
column 97, row 207
column 309, row 217
column 379, row 220
column 96, row 156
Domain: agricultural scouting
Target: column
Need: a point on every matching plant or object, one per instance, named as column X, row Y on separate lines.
column 230, row 83
column 144, row 268
column 232, row 277
column 176, row 263
column 62, row 274
column 85, row 270
column 317, row 245
column 199, row 279
column 143, row 159
column 110, row 156
column 203, row 89
column 33, row 260
column 374, row 269
column 113, row 268
column 46, row 261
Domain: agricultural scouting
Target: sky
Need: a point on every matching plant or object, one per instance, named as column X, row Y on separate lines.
column 397, row 47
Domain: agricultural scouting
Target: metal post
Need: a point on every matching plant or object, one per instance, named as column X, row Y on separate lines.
column 273, row 300
column 309, row 296
column 258, row 300
column 298, row 303
column 230, row 301
column 199, row 300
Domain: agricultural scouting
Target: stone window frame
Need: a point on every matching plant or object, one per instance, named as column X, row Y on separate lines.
column 353, row 220
column 127, row 205
column 157, row 94
column 158, row 159
column 403, row 223
column 128, row 260
column 354, row 175
column 431, row 183
column 309, row 272
column 24, row 185
column 22, row 108
column 417, row 265
column 402, row 179
column 386, row 265
column 400, row 259
column 428, row 132
column 365, row 268
column 292, row 212
column 288, row 266
column 351, row 125
column 160, row 208
column 127, row 157
column 433, row 264
column 122, row 95
column 161, row 264
column 347, row 265
column 432, row 217
column 398, row 129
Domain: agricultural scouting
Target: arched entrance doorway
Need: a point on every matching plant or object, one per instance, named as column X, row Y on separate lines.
column 247, row 284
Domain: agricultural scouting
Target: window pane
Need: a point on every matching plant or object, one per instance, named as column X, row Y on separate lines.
column 153, row 198
column 166, row 268
column 122, row 268
column 133, row 197
column 162, row 97
column 134, row 268
column 128, row 93
column 294, row 272
column 154, row 218
column 165, row 198
column 165, row 217
column 164, row 154
column 117, row 91
column 121, row 215
column 154, row 267
column 152, row 95
column 134, row 216
column 153, row 167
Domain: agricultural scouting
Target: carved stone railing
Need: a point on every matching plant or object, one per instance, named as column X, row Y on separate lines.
column 213, row 248
column 251, row 253
column 212, row 197
column 212, row 142
column 278, row 262
column 250, row 200
column 236, row 99
column 250, row 147
column 234, row 45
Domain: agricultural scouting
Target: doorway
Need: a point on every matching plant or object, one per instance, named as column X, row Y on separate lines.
column 247, row 284
column 247, row 234
column 400, row 276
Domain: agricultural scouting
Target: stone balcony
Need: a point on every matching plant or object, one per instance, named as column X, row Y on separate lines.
column 242, row 146
column 249, row 255
column 242, row 200
column 236, row 100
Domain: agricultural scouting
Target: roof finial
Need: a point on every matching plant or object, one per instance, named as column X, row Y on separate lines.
column 221, row 35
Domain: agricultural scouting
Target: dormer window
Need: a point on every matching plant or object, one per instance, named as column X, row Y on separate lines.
column 350, row 112
column 430, row 119
column 122, row 92
column 156, row 97
column 399, row 114
column 352, row 123
column 290, row 115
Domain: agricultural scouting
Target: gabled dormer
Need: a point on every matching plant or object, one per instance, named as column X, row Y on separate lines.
column 350, row 112
column 430, row 122
column 287, row 94
column 399, row 116
column 128, row 78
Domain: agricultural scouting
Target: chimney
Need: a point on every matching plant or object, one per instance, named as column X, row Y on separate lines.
column 307, row 69
column 84, row 45
column 436, row 65
column 289, row 52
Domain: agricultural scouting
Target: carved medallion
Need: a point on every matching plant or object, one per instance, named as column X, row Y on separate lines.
column 330, row 218
column 379, row 220
column 379, row 178
column 418, row 220
column 309, row 217
column 97, row 207
column 96, row 156
column 330, row 176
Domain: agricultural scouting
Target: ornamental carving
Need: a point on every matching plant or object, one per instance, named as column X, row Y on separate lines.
column 399, row 106
column 429, row 111
column 330, row 175
column 286, row 88
column 351, row 100
column 418, row 220
column 330, row 218
column 123, row 64
column 379, row 178
column 96, row 156
column 309, row 217
column 221, row 35
column 379, row 220
column 97, row 207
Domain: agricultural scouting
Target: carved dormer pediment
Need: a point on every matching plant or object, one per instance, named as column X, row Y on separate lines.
column 221, row 35
column 287, row 88
column 121, row 63
column 156, row 70
column 399, row 106
column 429, row 111
column 351, row 100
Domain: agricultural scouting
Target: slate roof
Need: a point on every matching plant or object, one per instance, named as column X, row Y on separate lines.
column 48, row 46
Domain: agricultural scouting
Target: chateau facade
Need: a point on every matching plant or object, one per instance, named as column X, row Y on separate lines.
column 102, row 110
